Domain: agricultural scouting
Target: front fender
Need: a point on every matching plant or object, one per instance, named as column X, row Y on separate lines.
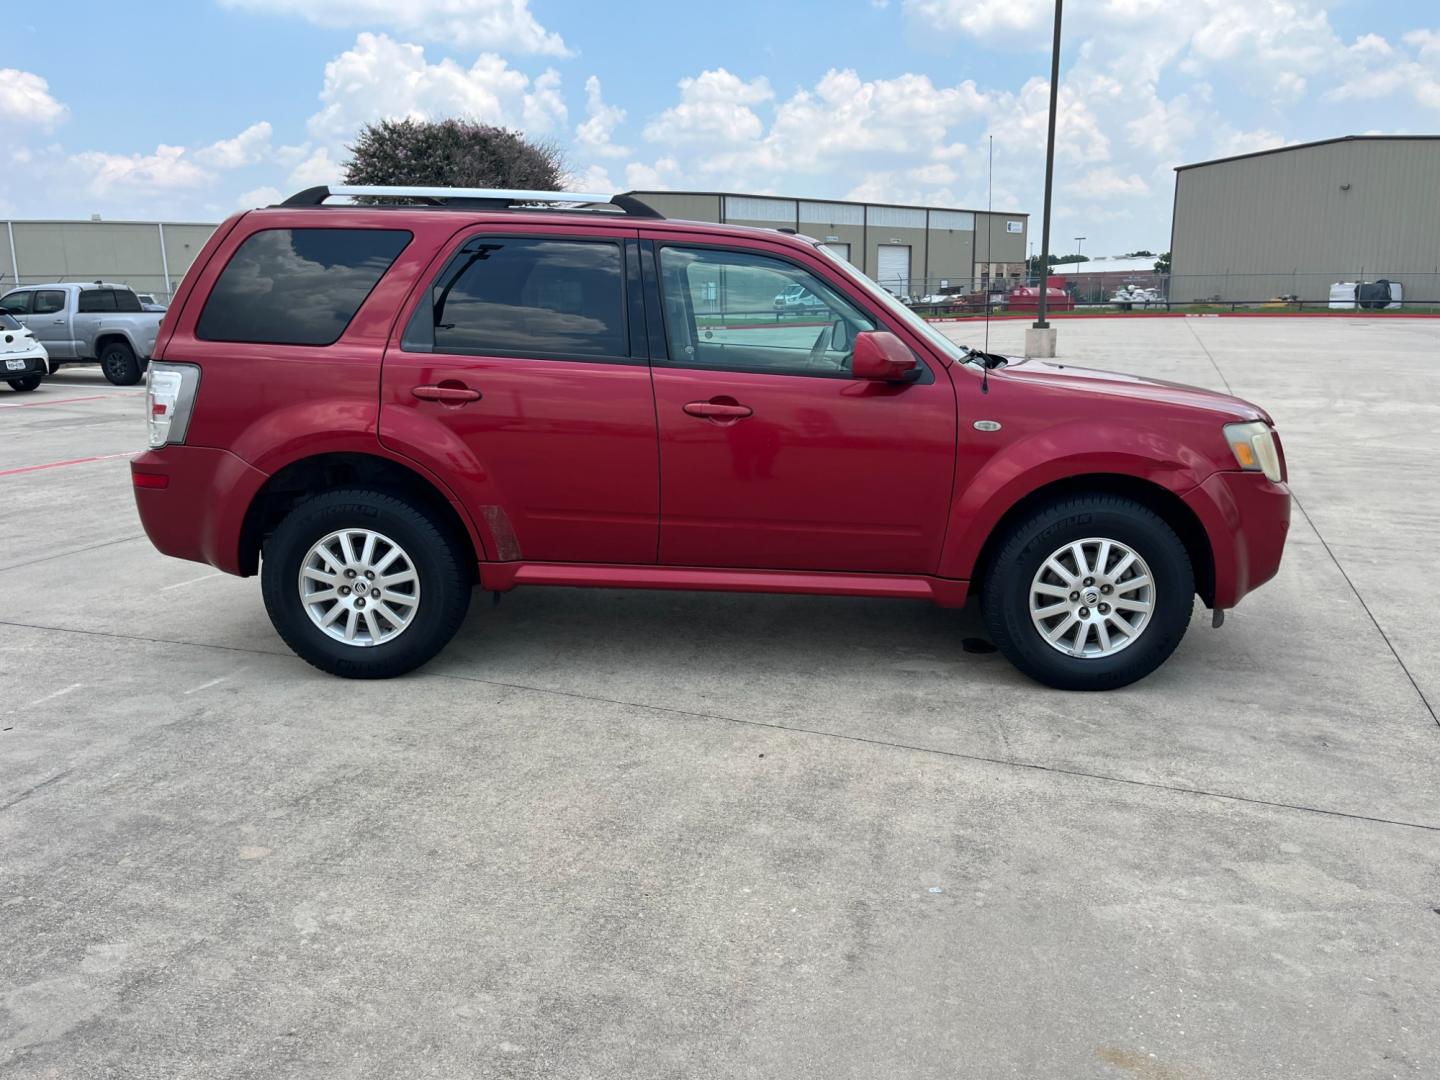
column 1001, row 476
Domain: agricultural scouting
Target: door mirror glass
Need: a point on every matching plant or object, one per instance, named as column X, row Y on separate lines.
column 882, row 356
column 842, row 336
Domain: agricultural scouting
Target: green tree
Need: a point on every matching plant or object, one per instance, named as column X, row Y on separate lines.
column 452, row 153
column 1162, row 264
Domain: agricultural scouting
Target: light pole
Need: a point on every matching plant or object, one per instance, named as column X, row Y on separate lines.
column 1040, row 338
column 1079, row 240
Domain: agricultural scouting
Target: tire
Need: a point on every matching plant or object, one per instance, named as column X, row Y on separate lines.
column 440, row 562
column 117, row 361
column 1021, row 584
column 25, row 384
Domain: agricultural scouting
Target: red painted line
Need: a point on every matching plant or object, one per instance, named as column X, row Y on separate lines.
column 60, row 464
column 57, row 401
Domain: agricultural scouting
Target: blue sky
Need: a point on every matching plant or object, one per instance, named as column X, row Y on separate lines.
column 191, row 110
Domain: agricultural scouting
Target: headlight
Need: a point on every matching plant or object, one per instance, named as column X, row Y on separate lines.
column 1253, row 445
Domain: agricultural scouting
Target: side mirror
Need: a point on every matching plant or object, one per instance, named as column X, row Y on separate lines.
column 882, row 356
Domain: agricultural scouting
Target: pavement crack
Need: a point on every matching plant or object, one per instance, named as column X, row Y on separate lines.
column 1358, row 596
column 1425, row 701
column 793, row 729
column 31, row 791
column 958, row 755
column 73, row 551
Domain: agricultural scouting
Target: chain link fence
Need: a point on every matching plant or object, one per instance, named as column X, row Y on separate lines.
column 1359, row 290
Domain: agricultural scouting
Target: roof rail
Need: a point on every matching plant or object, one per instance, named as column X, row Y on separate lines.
column 479, row 198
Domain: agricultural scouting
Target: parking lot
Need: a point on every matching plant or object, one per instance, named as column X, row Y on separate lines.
column 626, row 834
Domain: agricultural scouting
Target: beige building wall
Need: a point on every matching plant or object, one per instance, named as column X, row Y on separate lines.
column 944, row 242
column 129, row 252
column 1294, row 220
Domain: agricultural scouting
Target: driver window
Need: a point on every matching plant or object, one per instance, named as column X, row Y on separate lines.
column 737, row 311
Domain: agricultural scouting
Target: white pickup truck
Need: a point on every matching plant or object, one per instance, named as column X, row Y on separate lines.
column 88, row 322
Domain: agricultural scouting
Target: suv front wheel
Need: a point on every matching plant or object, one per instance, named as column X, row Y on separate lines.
column 364, row 585
column 1089, row 593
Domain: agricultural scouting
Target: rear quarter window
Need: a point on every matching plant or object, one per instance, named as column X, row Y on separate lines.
column 297, row 286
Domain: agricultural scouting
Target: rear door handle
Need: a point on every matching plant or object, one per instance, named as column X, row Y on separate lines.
column 450, row 395
column 717, row 410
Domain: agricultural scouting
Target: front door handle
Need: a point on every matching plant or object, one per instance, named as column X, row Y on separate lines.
column 449, row 395
column 719, row 410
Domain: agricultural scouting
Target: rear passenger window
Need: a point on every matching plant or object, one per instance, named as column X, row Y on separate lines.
column 518, row 296
column 125, row 300
column 297, row 286
column 94, row 300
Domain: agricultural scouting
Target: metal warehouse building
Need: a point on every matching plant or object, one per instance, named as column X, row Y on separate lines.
column 911, row 250
column 149, row 256
column 1294, row 220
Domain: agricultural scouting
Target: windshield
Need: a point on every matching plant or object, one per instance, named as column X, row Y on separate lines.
column 955, row 351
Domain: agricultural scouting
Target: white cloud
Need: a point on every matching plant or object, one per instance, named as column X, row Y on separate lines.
column 593, row 135
column 261, row 196
column 379, row 78
column 168, row 169
column 1107, row 183
column 469, row 24
column 715, row 107
column 318, row 167
column 984, row 19
column 246, row 148
column 1230, row 142
column 661, row 176
column 25, row 99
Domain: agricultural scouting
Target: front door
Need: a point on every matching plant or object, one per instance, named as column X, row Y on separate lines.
column 772, row 456
column 48, row 320
column 516, row 378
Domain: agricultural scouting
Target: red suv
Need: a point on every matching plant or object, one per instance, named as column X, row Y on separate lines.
column 381, row 406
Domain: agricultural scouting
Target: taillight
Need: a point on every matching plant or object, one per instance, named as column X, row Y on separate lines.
column 169, row 399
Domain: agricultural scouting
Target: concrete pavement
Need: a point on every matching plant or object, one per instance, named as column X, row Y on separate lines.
column 615, row 834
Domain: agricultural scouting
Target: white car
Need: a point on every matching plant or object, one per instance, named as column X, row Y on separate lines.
column 23, row 360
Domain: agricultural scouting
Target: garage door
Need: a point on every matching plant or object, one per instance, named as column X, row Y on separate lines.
column 842, row 250
column 893, row 268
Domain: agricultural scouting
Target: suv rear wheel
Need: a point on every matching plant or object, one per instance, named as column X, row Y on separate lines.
column 364, row 585
column 1089, row 593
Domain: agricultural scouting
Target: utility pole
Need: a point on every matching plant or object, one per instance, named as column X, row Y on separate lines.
column 1040, row 338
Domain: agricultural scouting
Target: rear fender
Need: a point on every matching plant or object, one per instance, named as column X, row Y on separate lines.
column 344, row 426
column 1046, row 456
column 412, row 436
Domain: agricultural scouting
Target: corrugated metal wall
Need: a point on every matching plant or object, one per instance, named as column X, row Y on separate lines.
column 952, row 249
column 128, row 252
column 1293, row 221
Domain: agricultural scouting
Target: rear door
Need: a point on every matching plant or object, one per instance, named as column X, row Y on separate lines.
column 520, row 375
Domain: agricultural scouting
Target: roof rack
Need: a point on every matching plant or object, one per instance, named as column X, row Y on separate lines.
column 480, row 198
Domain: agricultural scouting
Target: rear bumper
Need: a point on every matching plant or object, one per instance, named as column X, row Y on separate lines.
column 1247, row 518
column 199, row 513
column 35, row 363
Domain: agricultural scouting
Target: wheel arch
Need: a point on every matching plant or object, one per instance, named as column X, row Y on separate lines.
column 299, row 479
column 111, row 337
column 1164, row 502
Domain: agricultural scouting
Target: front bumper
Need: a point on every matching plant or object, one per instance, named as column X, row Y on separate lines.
column 1247, row 518
column 192, row 502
